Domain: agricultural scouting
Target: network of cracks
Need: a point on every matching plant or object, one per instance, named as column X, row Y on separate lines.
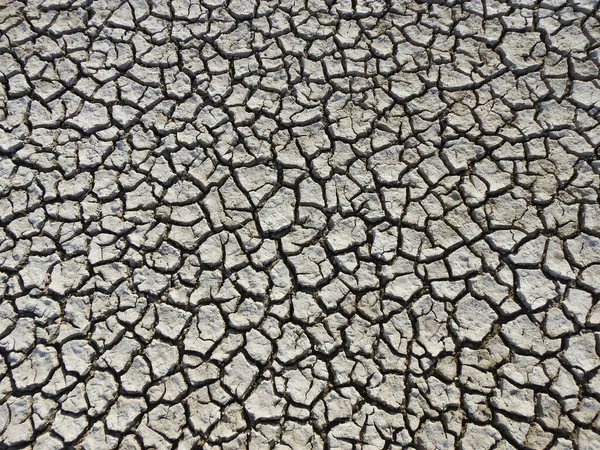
column 289, row 225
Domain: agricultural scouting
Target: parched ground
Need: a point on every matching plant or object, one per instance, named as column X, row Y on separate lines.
column 288, row 225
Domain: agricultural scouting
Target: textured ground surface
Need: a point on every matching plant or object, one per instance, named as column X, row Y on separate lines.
column 285, row 225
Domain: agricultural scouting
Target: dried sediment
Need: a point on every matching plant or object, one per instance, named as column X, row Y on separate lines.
column 299, row 225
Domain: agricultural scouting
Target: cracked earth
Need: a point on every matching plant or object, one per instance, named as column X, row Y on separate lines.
column 287, row 225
